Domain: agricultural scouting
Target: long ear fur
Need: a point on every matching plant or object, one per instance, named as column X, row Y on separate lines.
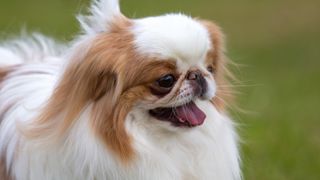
column 93, row 79
column 83, row 82
column 220, row 62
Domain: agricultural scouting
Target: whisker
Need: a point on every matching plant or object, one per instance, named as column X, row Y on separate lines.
column 240, row 85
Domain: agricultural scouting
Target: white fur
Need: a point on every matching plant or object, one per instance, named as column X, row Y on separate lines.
column 205, row 152
column 172, row 36
column 30, row 49
column 101, row 12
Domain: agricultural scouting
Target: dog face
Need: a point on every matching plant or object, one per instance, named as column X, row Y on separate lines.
column 186, row 45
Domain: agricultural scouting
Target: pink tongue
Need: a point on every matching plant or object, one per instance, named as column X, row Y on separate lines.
column 190, row 113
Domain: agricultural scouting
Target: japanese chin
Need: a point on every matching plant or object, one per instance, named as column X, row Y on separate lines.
column 128, row 99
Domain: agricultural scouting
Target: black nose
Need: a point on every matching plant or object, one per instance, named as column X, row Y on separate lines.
column 198, row 82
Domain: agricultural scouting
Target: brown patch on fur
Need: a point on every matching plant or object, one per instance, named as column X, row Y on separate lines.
column 111, row 77
column 3, row 73
column 216, row 58
column 4, row 174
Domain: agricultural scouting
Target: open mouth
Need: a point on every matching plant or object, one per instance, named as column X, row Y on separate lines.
column 187, row 115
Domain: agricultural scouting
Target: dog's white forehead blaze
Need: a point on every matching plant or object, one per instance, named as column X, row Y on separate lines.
column 173, row 36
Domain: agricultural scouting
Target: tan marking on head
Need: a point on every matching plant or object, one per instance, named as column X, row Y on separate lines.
column 217, row 59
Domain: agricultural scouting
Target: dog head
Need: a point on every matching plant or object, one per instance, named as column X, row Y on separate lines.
column 156, row 66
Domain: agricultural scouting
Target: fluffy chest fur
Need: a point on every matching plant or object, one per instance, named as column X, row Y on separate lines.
column 206, row 152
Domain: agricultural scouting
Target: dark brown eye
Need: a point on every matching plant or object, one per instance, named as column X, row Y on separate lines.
column 166, row 81
column 210, row 68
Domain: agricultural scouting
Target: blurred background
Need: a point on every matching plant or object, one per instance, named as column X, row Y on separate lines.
column 276, row 43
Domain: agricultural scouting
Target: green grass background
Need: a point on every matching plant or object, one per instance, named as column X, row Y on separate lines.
column 276, row 41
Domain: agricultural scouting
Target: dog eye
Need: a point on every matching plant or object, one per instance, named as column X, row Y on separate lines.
column 166, row 81
column 210, row 68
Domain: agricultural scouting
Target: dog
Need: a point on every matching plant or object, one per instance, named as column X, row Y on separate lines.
column 127, row 99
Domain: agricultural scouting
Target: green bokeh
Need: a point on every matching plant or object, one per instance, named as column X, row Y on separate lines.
column 275, row 41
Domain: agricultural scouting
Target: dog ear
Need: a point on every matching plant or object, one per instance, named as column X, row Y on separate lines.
column 102, row 83
column 83, row 82
column 92, row 80
column 216, row 54
column 217, row 58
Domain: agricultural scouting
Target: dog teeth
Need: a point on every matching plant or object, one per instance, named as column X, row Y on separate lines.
column 181, row 120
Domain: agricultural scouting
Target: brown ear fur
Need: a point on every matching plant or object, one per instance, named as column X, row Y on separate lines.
column 81, row 83
column 219, row 61
column 95, row 79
